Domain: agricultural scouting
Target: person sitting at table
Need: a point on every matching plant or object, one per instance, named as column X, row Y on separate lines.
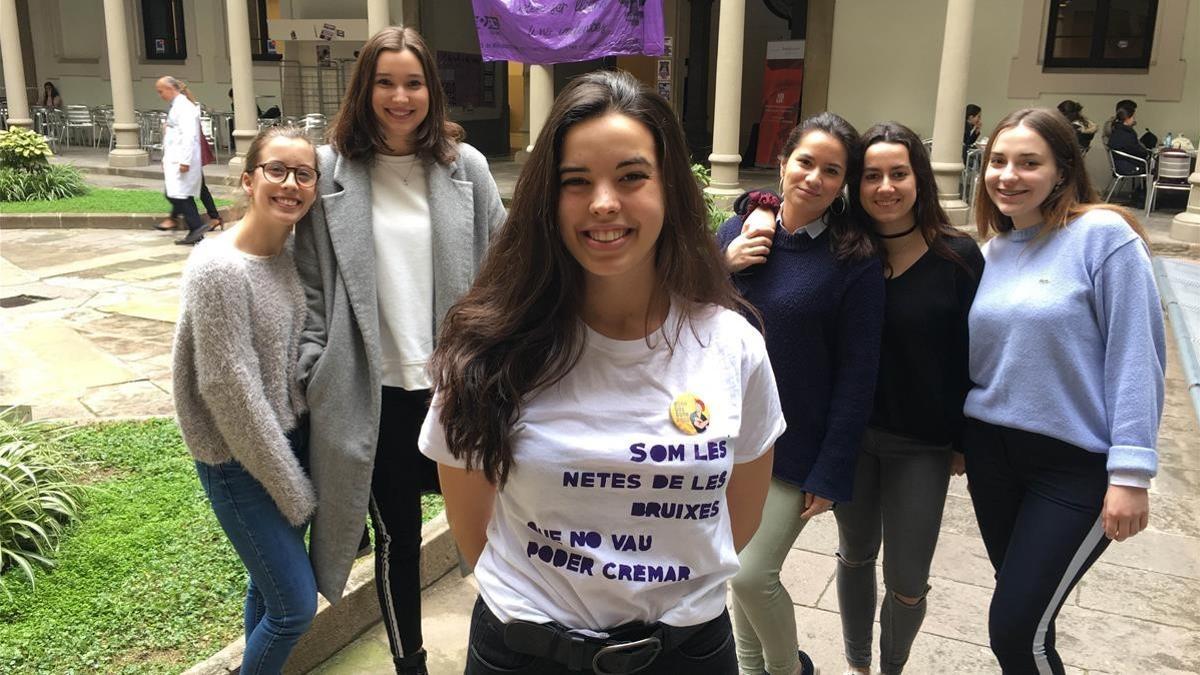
column 974, row 122
column 50, row 97
column 1124, row 139
column 1124, row 104
column 1085, row 129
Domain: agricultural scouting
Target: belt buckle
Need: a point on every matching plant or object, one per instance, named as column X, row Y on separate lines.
column 627, row 647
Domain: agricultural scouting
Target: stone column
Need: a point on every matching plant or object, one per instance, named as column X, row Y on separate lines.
column 951, row 102
column 14, row 66
column 1186, row 226
column 127, row 150
column 727, row 111
column 541, row 98
column 378, row 17
column 245, row 113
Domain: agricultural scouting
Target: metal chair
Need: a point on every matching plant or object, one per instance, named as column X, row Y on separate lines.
column 1172, row 172
column 79, row 117
column 1143, row 173
column 152, row 132
column 314, row 126
column 54, row 127
column 970, row 174
column 102, row 125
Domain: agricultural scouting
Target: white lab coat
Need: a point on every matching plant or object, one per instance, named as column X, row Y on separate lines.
column 181, row 145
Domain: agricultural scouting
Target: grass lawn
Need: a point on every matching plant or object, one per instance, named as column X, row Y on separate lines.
column 101, row 200
column 146, row 583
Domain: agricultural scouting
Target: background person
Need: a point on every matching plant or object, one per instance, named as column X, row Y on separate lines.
column 1085, row 129
column 971, row 128
column 817, row 279
column 1067, row 357
column 1130, row 108
column 627, row 315
column 50, row 98
column 401, row 224
column 206, row 198
column 181, row 156
column 239, row 407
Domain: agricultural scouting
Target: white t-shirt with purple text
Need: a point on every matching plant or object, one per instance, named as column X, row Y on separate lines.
column 612, row 512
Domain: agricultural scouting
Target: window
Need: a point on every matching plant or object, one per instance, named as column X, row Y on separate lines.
column 262, row 47
column 1100, row 33
column 162, row 26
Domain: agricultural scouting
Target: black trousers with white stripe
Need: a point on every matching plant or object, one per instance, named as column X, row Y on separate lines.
column 1038, row 503
column 400, row 475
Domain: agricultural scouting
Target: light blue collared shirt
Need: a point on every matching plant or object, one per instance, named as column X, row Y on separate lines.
column 814, row 229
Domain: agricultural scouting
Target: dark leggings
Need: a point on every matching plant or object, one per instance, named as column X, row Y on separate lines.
column 401, row 474
column 1038, row 503
column 708, row 651
column 210, row 206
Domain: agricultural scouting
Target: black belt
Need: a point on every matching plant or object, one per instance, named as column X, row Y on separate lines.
column 604, row 656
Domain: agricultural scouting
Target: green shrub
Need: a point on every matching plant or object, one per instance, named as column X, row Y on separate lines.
column 716, row 215
column 54, row 181
column 38, row 497
column 24, row 149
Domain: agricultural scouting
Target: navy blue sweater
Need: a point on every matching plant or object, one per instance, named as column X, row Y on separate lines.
column 822, row 321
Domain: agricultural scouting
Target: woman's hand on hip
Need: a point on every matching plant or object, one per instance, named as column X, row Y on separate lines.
column 1126, row 511
column 815, row 505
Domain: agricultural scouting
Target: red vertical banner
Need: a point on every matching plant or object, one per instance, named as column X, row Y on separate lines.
column 781, row 99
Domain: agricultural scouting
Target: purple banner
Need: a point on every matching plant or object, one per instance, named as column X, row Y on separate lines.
column 541, row 32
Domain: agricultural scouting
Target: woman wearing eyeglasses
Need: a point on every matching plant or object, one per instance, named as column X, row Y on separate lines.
column 236, row 396
column 404, row 215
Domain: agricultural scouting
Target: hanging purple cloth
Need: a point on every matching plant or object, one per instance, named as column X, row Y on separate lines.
column 541, row 32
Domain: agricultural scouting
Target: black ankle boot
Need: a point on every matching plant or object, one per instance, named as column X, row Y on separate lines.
column 413, row 664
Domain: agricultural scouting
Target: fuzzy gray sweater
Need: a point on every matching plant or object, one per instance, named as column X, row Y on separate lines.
column 236, row 347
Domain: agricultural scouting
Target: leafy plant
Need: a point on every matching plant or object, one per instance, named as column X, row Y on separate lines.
column 24, row 149
column 716, row 215
column 38, row 496
column 54, row 181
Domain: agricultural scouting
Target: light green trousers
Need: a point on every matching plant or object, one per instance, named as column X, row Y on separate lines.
column 764, row 620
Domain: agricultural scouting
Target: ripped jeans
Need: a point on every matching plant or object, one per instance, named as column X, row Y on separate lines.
column 899, row 493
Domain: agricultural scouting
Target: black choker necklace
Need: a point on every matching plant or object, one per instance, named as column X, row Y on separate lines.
column 899, row 234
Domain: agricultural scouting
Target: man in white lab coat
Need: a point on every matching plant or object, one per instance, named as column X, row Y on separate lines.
column 181, row 156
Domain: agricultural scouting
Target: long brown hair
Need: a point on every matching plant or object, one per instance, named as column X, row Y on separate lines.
column 518, row 328
column 356, row 134
column 849, row 237
column 928, row 213
column 1074, row 194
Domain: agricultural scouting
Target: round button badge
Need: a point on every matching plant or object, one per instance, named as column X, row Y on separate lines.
column 689, row 414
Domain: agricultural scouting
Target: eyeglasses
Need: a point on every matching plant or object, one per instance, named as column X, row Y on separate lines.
column 277, row 172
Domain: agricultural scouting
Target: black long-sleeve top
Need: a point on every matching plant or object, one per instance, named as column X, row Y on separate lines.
column 923, row 377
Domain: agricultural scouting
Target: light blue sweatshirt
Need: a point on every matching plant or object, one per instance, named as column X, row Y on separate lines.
column 1067, row 341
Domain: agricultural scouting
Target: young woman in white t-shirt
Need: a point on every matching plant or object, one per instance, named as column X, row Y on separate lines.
column 603, row 419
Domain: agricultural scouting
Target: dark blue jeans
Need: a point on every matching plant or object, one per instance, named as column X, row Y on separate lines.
column 282, row 595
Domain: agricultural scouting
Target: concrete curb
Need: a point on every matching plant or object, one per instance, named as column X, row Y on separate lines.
column 102, row 221
column 1183, row 337
column 336, row 626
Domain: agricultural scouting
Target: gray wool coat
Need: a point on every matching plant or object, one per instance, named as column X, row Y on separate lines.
column 340, row 355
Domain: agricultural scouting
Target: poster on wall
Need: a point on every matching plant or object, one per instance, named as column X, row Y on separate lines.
column 543, row 32
column 781, row 99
